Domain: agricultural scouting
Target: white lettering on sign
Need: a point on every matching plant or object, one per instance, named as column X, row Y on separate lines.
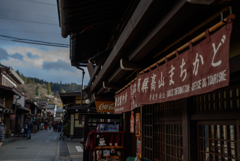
column 106, row 107
column 196, row 64
column 219, row 77
column 172, row 73
column 215, row 51
column 179, row 90
column 119, row 109
column 183, row 70
column 145, row 85
column 161, row 81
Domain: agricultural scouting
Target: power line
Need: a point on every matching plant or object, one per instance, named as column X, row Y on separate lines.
column 28, row 21
column 40, row 44
column 34, row 41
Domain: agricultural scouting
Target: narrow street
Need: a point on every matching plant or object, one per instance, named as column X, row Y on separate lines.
column 43, row 146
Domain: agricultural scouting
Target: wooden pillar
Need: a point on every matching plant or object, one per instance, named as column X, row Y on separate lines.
column 130, row 139
column 238, row 139
column 189, row 131
column 85, row 152
column 186, row 130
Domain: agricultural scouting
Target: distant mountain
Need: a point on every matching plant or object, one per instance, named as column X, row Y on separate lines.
column 34, row 87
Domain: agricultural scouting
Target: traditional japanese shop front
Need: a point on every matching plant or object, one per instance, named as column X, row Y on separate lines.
column 188, row 101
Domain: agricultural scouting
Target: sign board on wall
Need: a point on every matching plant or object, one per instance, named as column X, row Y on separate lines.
column 12, row 116
column 132, row 122
column 105, row 105
column 138, row 124
column 201, row 69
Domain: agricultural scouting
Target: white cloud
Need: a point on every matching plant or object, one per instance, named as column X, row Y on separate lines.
column 33, row 67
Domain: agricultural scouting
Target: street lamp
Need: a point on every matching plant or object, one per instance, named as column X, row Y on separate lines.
column 87, row 101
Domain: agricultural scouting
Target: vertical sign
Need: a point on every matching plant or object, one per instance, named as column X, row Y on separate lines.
column 138, row 124
column 132, row 122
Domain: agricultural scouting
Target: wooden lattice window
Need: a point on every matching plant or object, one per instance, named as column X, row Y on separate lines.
column 172, row 108
column 226, row 99
column 147, row 132
column 168, row 141
column 217, row 141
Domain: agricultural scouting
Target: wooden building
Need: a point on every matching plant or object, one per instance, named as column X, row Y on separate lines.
column 72, row 105
column 9, row 80
column 196, row 126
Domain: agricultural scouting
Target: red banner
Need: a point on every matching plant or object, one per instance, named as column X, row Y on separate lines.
column 201, row 69
column 123, row 102
column 143, row 86
column 133, row 93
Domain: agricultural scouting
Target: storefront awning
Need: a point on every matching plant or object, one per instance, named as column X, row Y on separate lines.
column 13, row 90
column 23, row 108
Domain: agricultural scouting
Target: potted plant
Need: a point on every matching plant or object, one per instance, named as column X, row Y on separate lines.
column 8, row 133
column 66, row 129
column 34, row 129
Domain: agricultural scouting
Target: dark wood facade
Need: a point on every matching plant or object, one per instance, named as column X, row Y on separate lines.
column 202, row 127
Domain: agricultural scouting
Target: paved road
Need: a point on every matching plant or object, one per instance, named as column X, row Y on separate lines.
column 44, row 146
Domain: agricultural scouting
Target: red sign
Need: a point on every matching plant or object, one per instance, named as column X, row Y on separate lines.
column 12, row 116
column 133, row 93
column 201, row 69
column 132, row 122
column 123, row 102
column 103, row 105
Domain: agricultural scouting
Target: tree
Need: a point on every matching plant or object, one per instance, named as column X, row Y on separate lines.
column 38, row 91
column 49, row 89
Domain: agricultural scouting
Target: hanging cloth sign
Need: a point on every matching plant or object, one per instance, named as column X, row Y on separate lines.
column 123, row 101
column 201, row 69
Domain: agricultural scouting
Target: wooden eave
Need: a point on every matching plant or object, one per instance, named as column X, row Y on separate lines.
column 180, row 18
column 140, row 17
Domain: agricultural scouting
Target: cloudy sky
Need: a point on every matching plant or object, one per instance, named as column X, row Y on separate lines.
column 35, row 20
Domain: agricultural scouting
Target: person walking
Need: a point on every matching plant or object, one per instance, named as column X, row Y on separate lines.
column 50, row 125
column 54, row 126
column 46, row 125
column 29, row 126
column 25, row 127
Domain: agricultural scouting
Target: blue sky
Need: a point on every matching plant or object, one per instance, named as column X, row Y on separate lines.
column 35, row 20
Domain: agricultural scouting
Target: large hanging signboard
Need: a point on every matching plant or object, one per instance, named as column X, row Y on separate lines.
column 104, row 105
column 201, row 69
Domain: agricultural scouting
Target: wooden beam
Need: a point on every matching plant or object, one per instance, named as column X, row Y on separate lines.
column 109, row 86
column 101, row 91
column 186, row 130
column 216, row 116
column 177, row 14
column 123, row 40
column 127, row 65
column 90, row 68
column 118, row 74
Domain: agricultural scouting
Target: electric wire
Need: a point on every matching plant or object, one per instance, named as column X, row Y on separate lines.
column 34, row 41
column 10, row 37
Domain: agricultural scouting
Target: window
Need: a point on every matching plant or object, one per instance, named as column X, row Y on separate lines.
column 168, row 141
column 217, row 141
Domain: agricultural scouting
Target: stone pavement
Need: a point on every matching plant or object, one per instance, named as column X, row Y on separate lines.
column 43, row 146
